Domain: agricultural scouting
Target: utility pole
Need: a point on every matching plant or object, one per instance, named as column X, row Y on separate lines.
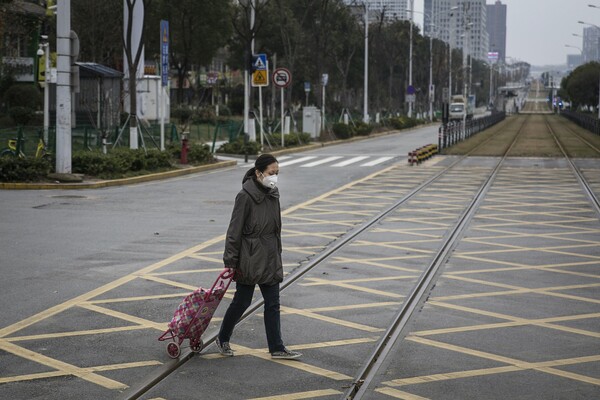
column 63, row 87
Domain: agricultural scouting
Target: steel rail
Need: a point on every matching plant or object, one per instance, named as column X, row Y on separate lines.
column 168, row 368
column 360, row 385
column 578, row 174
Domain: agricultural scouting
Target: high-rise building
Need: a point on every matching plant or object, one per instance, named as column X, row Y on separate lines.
column 448, row 20
column 591, row 44
column 496, row 28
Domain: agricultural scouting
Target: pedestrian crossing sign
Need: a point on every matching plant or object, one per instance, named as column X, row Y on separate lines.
column 260, row 78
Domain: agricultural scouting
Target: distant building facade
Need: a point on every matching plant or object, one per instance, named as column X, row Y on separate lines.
column 574, row 60
column 496, row 28
column 450, row 26
column 591, row 44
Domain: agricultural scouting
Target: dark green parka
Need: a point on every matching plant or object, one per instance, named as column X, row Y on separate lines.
column 253, row 242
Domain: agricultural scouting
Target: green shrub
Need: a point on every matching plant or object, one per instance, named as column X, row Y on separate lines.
column 403, row 122
column 239, row 147
column 342, row 131
column 363, row 129
column 119, row 162
column 182, row 113
column 14, row 169
column 291, row 140
column 204, row 116
column 199, row 153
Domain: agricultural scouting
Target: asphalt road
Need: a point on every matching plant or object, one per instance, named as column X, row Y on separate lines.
column 57, row 245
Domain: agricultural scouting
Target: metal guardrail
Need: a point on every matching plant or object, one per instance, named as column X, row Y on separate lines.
column 451, row 133
column 587, row 121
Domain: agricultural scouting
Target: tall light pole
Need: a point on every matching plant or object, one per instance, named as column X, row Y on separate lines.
column 366, row 77
column 410, row 56
column 44, row 50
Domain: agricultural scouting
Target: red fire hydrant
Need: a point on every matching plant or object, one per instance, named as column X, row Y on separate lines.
column 184, row 149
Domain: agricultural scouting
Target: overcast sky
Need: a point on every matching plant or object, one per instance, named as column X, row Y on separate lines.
column 537, row 30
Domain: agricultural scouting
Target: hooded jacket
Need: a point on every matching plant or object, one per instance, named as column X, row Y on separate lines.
column 253, row 242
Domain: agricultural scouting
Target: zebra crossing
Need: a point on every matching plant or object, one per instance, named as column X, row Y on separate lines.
column 328, row 161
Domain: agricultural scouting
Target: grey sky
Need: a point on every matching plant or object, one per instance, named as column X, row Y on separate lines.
column 537, row 30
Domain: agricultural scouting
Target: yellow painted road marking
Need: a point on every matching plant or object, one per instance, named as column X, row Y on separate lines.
column 357, row 288
column 516, row 319
column 398, row 394
column 67, row 369
column 311, row 369
column 354, row 306
column 331, row 320
column 507, row 324
column 417, row 380
column 371, row 261
column 543, row 367
column 103, row 289
column 320, row 282
column 74, row 333
column 126, row 317
column 300, row 395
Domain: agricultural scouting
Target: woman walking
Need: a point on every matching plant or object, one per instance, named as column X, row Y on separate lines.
column 253, row 250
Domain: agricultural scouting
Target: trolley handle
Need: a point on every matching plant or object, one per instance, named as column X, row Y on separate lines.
column 224, row 279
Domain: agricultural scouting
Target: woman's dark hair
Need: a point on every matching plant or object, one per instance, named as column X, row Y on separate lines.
column 263, row 161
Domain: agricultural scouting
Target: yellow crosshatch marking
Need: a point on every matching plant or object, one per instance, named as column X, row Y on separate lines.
column 320, row 213
column 313, row 394
column 342, row 209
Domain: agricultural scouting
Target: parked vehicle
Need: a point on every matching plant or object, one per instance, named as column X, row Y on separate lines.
column 459, row 107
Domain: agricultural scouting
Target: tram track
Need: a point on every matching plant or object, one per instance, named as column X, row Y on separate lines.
column 360, row 386
column 577, row 172
column 417, row 294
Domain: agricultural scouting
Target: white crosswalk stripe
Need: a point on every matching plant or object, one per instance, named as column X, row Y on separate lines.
column 323, row 161
column 296, row 161
column 314, row 161
column 376, row 161
column 350, row 161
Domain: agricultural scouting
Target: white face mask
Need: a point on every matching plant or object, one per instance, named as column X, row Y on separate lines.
column 269, row 181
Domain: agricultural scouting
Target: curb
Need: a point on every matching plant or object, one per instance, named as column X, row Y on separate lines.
column 186, row 171
column 117, row 182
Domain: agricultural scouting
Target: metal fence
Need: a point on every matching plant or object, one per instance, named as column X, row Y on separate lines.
column 90, row 138
column 453, row 132
column 587, row 121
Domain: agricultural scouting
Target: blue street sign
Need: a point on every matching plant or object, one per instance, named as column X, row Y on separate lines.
column 164, row 52
column 411, row 90
column 307, row 87
column 259, row 62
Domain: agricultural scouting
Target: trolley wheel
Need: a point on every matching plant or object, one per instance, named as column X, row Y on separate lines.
column 173, row 349
column 196, row 345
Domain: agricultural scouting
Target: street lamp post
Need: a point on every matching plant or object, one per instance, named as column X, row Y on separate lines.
column 366, row 77
column 410, row 56
column 44, row 50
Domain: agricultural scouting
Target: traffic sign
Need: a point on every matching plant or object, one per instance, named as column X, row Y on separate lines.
column 307, row 87
column 324, row 79
column 259, row 62
column 411, row 90
column 260, row 78
column 282, row 77
column 410, row 98
column 164, row 52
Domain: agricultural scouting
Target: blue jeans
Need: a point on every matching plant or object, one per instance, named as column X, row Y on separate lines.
column 242, row 300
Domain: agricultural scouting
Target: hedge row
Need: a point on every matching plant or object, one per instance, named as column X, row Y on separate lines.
column 117, row 163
